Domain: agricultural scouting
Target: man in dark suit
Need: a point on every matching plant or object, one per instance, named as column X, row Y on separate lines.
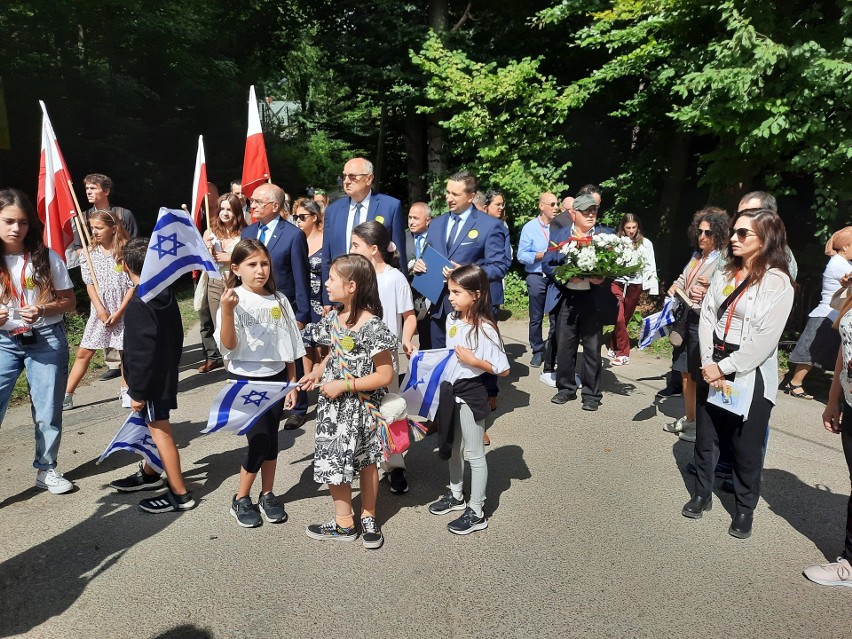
column 288, row 249
column 465, row 235
column 581, row 307
column 359, row 205
column 419, row 217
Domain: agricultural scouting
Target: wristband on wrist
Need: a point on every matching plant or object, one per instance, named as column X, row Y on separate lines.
column 348, row 387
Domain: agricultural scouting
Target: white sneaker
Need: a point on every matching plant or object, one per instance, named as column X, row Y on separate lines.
column 68, row 402
column 124, row 397
column 838, row 573
column 687, row 435
column 53, row 481
column 548, row 378
column 610, row 353
column 620, row 360
column 679, row 425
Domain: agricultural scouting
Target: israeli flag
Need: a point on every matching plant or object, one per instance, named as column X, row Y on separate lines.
column 135, row 437
column 422, row 382
column 656, row 325
column 242, row 402
column 175, row 248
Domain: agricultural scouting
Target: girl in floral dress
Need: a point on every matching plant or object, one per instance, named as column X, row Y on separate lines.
column 105, row 327
column 352, row 382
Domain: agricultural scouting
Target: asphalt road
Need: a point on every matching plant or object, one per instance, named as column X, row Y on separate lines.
column 585, row 539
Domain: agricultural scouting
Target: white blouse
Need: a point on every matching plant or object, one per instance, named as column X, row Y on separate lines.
column 763, row 309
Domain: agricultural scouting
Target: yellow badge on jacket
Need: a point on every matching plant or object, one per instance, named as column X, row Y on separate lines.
column 347, row 343
column 119, row 268
column 275, row 312
column 380, row 219
column 728, row 290
column 29, row 283
column 453, row 330
column 473, row 234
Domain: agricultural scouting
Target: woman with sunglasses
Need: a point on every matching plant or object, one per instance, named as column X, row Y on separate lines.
column 308, row 215
column 742, row 318
column 708, row 234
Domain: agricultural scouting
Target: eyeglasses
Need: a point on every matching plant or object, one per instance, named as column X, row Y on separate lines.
column 704, row 232
column 589, row 212
column 302, row 217
column 743, row 233
column 258, row 203
column 551, row 204
column 352, row 177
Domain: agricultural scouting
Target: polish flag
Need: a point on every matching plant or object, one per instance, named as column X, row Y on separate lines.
column 255, row 164
column 55, row 202
column 199, row 183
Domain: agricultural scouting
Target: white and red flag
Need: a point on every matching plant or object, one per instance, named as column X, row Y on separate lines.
column 199, row 183
column 255, row 164
column 55, row 202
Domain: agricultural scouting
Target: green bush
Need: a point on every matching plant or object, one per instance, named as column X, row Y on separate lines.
column 515, row 292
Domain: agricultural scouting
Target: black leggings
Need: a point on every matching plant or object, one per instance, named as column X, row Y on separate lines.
column 846, row 440
column 263, row 436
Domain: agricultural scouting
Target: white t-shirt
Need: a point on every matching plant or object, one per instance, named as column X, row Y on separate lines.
column 61, row 282
column 488, row 346
column 267, row 335
column 395, row 295
column 837, row 267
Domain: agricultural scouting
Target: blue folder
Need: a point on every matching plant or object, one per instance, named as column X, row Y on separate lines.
column 431, row 283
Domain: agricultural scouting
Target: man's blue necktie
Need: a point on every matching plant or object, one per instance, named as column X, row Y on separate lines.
column 263, row 229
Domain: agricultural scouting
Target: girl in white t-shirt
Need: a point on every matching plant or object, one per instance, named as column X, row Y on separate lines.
column 373, row 241
column 35, row 292
column 472, row 332
column 257, row 335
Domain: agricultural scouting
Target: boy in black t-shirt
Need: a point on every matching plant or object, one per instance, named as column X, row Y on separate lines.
column 153, row 343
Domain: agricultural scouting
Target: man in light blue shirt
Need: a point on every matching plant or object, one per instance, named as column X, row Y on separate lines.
column 532, row 247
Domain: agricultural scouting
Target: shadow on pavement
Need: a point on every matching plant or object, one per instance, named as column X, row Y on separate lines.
column 813, row 511
column 186, row 631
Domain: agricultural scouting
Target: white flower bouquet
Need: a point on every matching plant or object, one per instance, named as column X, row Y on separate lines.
column 604, row 255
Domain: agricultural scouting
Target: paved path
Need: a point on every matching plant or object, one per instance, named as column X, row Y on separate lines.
column 585, row 538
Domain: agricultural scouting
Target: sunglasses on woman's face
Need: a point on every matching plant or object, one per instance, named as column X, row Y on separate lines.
column 706, row 232
column 303, row 217
column 743, row 233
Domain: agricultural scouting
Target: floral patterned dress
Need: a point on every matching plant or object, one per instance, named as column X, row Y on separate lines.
column 346, row 439
column 113, row 284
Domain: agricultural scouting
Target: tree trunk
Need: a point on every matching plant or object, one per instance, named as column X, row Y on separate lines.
column 673, row 186
column 436, row 158
column 415, row 151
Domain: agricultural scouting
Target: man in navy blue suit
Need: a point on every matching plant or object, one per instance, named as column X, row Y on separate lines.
column 465, row 235
column 359, row 205
column 581, row 307
column 288, row 249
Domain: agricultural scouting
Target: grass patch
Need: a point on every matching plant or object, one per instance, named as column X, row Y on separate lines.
column 75, row 324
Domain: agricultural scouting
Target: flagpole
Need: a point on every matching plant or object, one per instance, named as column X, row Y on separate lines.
column 207, row 209
column 83, row 234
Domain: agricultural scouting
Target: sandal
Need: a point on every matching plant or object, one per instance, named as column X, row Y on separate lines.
column 796, row 391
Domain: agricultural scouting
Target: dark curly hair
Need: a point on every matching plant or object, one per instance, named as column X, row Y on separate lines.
column 720, row 226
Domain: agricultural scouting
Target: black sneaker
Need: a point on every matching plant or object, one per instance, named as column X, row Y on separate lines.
column 330, row 530
column 137, row 481
column 371, row 534
column 446, row 504
column 467, row 523
column 591, row 404
column 294, row 421
column 668, row 391
column 245, row 512
column 271, row 508
column 564, row 396
column 398, row 482
column 168, row 502
column 110, row 373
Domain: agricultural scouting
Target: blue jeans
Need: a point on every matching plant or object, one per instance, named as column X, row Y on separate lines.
column 46, row 363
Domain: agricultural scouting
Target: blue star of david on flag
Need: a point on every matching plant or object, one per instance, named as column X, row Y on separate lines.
column 135, row 437
column 423, row 380
column 175, row 248
column 255, row 398
column 161, row 240
column 242, row 402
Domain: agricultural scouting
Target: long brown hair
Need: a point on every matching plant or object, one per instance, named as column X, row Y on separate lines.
column 239, row 223
column 358, row 269
column 626, row 219
column 121, row 236
column 769, row 228
column 33, row 244
column 473, row 279
column 243, row 250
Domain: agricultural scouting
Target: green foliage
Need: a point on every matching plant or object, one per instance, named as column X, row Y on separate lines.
column 515, row 292
column 503, row 118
